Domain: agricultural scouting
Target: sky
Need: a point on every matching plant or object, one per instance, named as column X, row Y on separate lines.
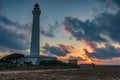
column 87, row 30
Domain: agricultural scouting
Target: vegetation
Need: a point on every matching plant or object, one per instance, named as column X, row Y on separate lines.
column 10, row 61
column 13, row 57
column 72, row 65
column 57, row 63
column 28, row 64
column 6, row 64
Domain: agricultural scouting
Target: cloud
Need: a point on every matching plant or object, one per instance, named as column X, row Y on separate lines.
column 90, row 44
column 59, row 50
column 108, row 52
column 117, row 2
column 110, row 3
column 50, row 32
column 105, row 24
column 104, row 28
column 6, row 21
column 109, row 25
column 13, row 34
column 83, row 30
column 77, row 58
column 108, row 6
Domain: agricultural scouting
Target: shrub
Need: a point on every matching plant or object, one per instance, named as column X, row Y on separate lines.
column 72, row 65
column 57, row 63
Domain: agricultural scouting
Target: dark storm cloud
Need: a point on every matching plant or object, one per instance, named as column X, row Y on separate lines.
column 109, row 25
column 83, row 30
column 13, row 35
column 104, row 24
column 60, row 50
column 108, row 52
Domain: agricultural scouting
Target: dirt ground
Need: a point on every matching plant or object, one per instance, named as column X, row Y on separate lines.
column 96, row 73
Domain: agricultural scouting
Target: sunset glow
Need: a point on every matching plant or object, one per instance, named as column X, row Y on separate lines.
column 89, row 33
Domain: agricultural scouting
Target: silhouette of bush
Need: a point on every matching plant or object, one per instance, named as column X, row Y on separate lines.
column 10, row 61
column 57, row 63
column 13, row 57
column 72, row 65
column 7, row 65
column 52, row 63
column 28, row 64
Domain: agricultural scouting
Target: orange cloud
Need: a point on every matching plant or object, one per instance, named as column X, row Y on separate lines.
column 79, row 54
column 89, row 46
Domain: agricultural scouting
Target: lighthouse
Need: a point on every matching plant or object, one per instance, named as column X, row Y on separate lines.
column 34, row 57
column 35, row 38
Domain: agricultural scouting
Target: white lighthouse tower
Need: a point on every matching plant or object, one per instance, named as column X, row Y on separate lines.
column 34, row 56
column 34, row 50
